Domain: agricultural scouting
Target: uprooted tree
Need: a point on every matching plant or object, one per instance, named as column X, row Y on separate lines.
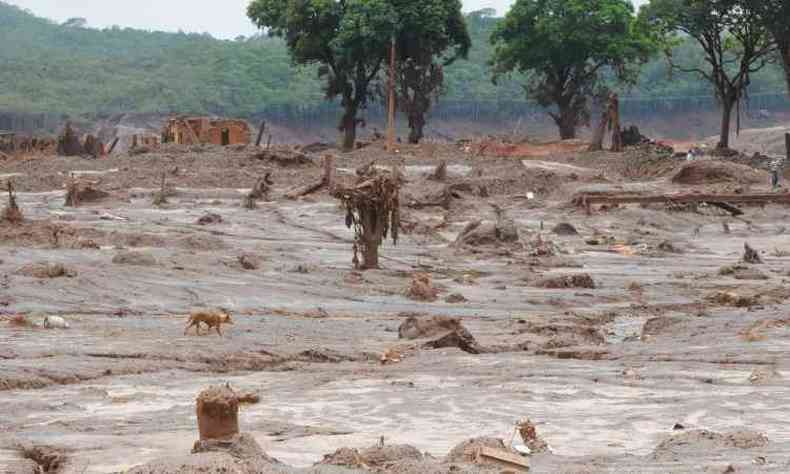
column 348, row 39
column 433, row 35
column 372, row 208
column 735, row 42
column 567, row 48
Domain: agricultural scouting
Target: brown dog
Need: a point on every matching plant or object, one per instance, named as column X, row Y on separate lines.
column 212, row 318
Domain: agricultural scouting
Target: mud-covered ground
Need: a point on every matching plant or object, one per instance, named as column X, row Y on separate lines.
column 674, row 361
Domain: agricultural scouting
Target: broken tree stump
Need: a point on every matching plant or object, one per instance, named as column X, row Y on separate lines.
column 327, row 181
column 260, row 133
column 614, row 123
column 80, row 190
column 260, row 190
column 12, row 213
column 160, row 198
column 750, row 255
column 440, row 173
column 217, row 413
column 69, row 143
column 113, row 145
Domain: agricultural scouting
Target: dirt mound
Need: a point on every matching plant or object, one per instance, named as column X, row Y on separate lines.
column 478, row 233
column 416, row 327
column 377, row 457
column 565, row 335
column 201, row 242
column 564, row 228
column 695, row 441
column 710, row 171
column 578, row 280
column 50, row 235
column 46, row 270
column 241, row 446
column 141, row 259
column 421, row 288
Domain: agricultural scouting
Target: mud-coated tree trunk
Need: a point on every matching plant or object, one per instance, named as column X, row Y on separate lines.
column 726, row 115
column 416, row 124
column 784, row 52
column 348, row 127
column 371, row 239
column 566, row 121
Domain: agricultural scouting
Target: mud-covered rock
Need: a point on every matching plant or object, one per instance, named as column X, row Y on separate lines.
column 141, row 259
column 577, row 280
column 44, row 270
column 416, row 327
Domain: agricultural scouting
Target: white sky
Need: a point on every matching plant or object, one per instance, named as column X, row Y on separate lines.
column 223, row 19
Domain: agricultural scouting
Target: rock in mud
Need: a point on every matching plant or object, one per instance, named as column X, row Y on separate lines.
column 210, row 218
column 750, row 255
column 421, row 288
column 55, row 322
column 577, row 280
column 479, row 233
column 45, row 270
column 460, row 338
column 417, row 327
column 141, row 259
column 456, row 298
column 249, row 261
column 669, row 247
column 564, row 228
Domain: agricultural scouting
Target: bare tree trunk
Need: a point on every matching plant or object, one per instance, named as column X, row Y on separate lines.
column 416, row 123
column 348, row 127
column 600, row 130
column 784, row 53
column 614, row 117
column 371, row 239
column 726, row 115
column 566, row 122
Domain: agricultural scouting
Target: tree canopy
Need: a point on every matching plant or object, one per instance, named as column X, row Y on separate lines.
column 734, row 42
column 566, row 46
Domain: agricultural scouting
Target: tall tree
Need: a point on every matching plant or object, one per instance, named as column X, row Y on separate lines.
column 566, row 46
column 349, row 39
column 432, row 35
column 775, row 16
column 736, row 45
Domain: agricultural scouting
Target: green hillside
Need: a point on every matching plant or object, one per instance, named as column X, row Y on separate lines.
column 47, row 67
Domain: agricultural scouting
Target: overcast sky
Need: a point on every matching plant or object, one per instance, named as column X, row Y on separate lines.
column 223, row 19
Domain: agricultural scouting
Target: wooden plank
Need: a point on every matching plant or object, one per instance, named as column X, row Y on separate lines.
column 504, row 457
column 260, row 133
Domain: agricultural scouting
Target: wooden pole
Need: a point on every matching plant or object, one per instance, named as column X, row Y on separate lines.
column 787, row 145
column 391, row 105
column 260, row 133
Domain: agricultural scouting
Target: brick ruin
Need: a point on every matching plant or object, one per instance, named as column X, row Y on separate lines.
column 205, row 130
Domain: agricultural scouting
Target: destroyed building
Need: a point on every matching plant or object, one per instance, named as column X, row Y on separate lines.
column 205, row 130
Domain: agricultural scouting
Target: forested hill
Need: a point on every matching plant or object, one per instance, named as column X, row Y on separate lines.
column 47, row 67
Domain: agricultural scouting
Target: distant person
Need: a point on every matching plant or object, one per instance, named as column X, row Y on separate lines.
column 777, row 166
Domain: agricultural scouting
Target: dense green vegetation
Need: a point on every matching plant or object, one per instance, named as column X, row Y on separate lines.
column 48, row 67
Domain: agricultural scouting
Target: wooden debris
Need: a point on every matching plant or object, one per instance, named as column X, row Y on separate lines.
column 440, row 173
column 327, row 181
column 160, row 198
column 260, row 190
column 260, row 133
column 588, row 200
column 511, row 460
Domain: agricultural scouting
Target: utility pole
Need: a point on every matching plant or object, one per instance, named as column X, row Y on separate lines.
column 391, row 104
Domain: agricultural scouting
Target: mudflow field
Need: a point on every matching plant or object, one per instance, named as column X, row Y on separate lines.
column 634, row 339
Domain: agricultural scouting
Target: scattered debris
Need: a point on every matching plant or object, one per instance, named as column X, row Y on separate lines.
column 750, row 255
column 79, row 191
column 764, row 375
column 45, row 270
column 327, row 181
column 421, row 288
column 160, row 197
column 391, row 356
column 577, row 280
column 260, row 190
column 49, row 460
column 284, row 157
column 132, row 257
column 730, row 298
column 529, row 435
column 717, row 171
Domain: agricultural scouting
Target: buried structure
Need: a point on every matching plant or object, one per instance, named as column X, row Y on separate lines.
column 205, row 130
